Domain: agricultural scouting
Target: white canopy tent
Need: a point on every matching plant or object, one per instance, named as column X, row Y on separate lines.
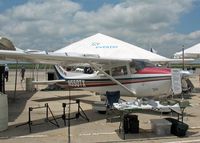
column 108, row 47
column 192, row 52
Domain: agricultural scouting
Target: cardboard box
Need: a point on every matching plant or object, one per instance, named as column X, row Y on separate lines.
column 161, row 127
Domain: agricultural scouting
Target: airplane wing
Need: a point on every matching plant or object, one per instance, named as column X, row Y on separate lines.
column 58, row 58
column 64, row 59
column 48, row 82
column 53, row 58
column 177, row 60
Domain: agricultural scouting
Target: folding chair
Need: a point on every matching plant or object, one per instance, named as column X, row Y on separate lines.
column 187, row 87
column 111, row 112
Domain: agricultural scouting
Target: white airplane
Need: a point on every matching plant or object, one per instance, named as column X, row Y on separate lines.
column 136, row 78
column 131, row 77
column 116, row 65
column 120, row 65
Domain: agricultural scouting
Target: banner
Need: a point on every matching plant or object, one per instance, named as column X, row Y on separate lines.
column 176, row 81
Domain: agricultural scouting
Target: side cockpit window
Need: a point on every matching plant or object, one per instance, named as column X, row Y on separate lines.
column 118, row 71
column 133, row 67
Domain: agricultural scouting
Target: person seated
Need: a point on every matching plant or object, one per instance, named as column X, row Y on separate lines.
column 88, row 70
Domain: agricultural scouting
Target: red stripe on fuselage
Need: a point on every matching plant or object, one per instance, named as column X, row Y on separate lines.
column 154, row 70
column 128, row 81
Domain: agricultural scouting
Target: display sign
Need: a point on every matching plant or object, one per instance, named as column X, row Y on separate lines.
column 176, row 81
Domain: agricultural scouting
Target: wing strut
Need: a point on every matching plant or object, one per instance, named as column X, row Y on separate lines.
column 114, row 80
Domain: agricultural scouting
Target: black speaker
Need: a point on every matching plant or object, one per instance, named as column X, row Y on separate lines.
column 178, row 128
column 126, row 125
column 51, row 76
column 131, row 124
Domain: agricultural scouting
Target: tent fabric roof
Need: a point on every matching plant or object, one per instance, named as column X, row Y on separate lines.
column 109, row 47
column 194, row 49
column 191, row 52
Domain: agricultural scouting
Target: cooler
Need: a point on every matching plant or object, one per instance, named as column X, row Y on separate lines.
column 161, row 127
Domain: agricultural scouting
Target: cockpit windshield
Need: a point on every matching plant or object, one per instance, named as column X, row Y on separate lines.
column 142, row 64
column 139, row 65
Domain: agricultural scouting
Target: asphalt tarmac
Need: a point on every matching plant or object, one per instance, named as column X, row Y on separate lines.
column 97, row 130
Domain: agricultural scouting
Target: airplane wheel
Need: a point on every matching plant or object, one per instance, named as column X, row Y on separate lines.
column 102, row 112
column 166, row 113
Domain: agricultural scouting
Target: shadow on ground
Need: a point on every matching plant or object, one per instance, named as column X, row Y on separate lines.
column 42, row 125
column 16, row 104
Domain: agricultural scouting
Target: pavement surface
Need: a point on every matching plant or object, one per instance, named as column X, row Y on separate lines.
column 80, row 130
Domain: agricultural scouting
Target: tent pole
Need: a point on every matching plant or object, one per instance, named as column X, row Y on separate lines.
column 69, row 112
column 15, row 80
column 183, row 58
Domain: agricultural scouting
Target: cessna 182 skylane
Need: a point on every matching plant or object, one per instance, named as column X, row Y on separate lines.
column 117, row 65
column 132, row 77
column 120, row 66
column 137, row 78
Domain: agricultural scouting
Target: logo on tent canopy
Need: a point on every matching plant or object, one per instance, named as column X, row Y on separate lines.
column 98, row 45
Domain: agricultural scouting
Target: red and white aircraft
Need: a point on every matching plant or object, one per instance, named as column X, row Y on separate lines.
column 117, row 65
column 131, row 77
column 137, row 78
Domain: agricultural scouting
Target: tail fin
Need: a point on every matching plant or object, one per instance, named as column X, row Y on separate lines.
column 60, row 72
column 153, row 50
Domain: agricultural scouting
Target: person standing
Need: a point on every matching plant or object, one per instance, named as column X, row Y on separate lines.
column 22, row 73
column 6, row 72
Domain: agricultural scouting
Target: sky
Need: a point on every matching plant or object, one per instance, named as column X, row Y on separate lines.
column 166, row 26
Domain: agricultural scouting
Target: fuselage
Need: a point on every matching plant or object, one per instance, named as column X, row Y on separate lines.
column 149, row 81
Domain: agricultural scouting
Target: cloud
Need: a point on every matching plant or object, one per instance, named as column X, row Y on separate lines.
column 174, row 42
column 39, row 24
column 139, row 16
column 54, row 24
